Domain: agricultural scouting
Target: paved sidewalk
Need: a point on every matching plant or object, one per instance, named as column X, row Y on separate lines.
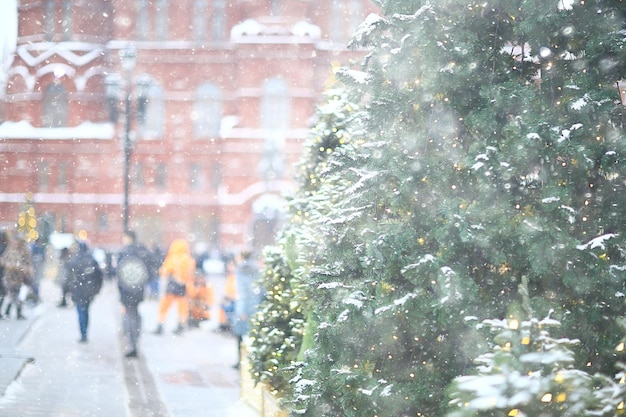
column 193, row 372
column 45, row 372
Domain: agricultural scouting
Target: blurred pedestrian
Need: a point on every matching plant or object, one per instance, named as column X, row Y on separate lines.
column 201, row 299
column 157, row 259
column 85, row 282
column 178, row 269
column 61, row 278
column 248, row 297
column 4, row 241
column 132, row 276
column 227, row 305
column 18, row 274
column 38, row 256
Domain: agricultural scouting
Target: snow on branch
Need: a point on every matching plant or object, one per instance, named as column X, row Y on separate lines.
column 597, row 242
column 398, row 302
column 331, row 286
column 362, row 35
column 356, row 77
column 428, row 258
column 364, row 176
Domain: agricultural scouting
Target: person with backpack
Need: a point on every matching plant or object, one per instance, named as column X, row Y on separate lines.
column 85, row 281
column 132, row 275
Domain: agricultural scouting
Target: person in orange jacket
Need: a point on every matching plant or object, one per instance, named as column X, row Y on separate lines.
column 179, row 269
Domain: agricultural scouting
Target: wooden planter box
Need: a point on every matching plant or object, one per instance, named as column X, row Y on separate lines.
column 258, row 397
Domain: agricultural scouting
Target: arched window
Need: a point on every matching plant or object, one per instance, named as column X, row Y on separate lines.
column 269, row 211
column 62, row 171
column 49, row 20
column 200, row 13
column 216, row 176
column 209, row 12
column 218, row 24
column 275, row 117
column 160, row 177
column 43, row 176
column 276, row 7
column 143, row 20
column 275, row 105
column 345, row 18
column 66, row 21
column 196, row 177
column 207, row 111
column 154, row 123
column 54, row 106
column 138, row 177
column 161, row 19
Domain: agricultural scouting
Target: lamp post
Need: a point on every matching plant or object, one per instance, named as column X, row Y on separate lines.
column 114, row 86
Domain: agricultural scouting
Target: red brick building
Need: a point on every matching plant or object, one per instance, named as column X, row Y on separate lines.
column 221, row 98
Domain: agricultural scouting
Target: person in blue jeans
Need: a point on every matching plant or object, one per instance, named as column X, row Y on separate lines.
column 132, row 275
column 85, row 280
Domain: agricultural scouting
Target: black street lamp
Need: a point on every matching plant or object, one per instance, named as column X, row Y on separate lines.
column 114, row 86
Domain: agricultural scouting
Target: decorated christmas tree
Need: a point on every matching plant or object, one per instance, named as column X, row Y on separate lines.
column 491, row 152
column 279, row 336
column 27, row 221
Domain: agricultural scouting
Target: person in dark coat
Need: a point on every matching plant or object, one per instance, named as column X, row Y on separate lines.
column 61, row 278
column 152, row 286
column 132, row 276
column 85, row 281
column 18, row 272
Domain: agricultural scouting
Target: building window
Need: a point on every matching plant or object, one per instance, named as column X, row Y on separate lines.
column 62, row 223
column 66, row 21
column 276, row 7
column 62, row 176
column 207, row 111
column 345, row 17
column 154, row 124
column 143, row 20
column 214, row 232
column 103, row 222
column 160, row 177
column 54, row 106
column 49, row 20
column 137, row 175
column 43, row 175
column 275, row 116
column 160, row 24
column 275, row 105
column 218, row 25
column 355, row 16
column 216, row 177
column 200, row 13
column 196, row 179
column 268, row 213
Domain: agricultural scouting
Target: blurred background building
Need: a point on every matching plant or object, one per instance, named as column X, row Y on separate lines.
column 174, row 118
